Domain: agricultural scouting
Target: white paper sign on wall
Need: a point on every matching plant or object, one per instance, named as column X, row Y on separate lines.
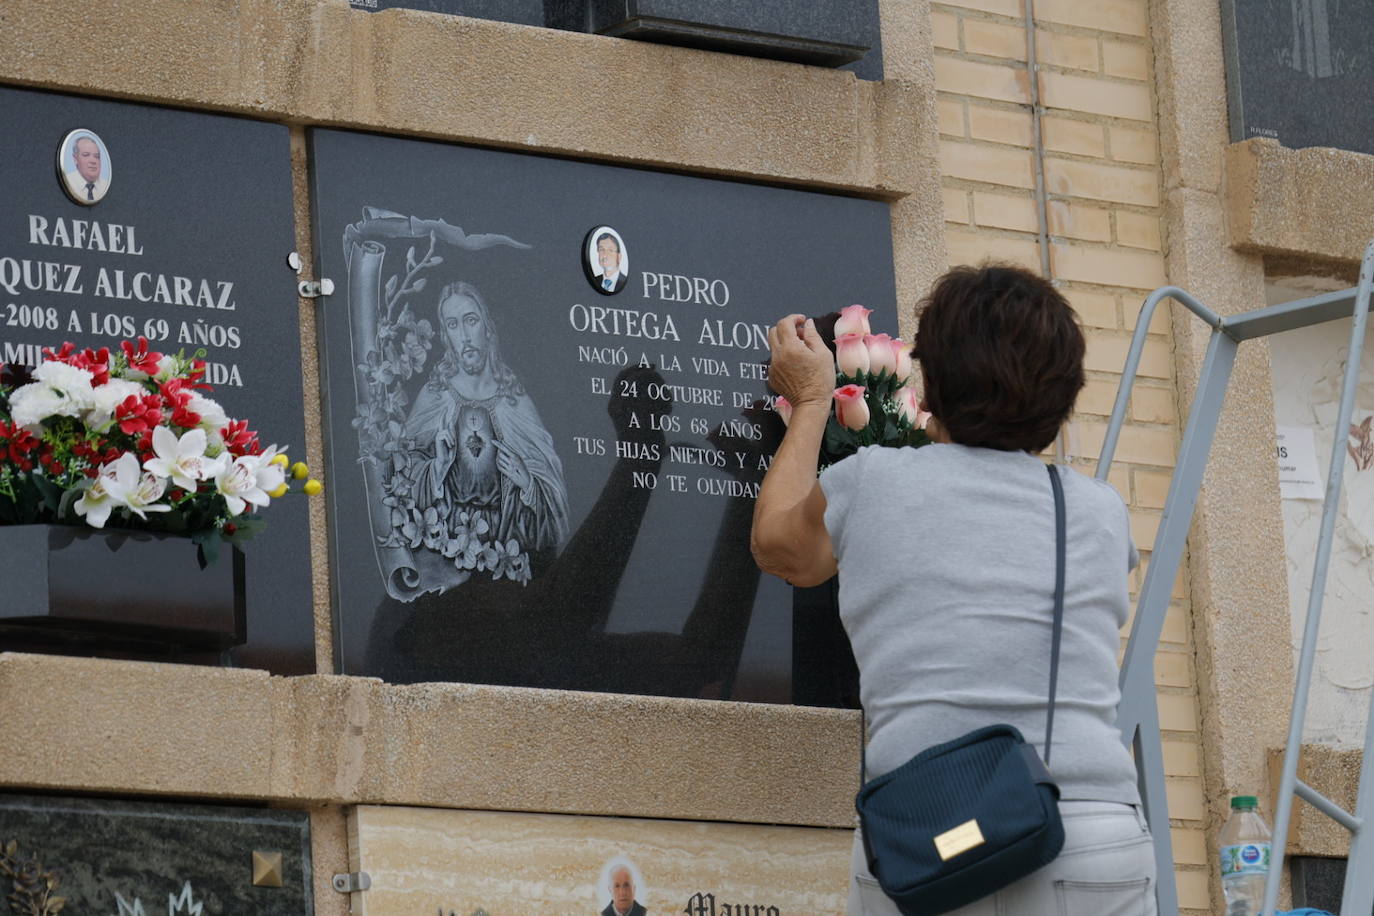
column 1299, row 477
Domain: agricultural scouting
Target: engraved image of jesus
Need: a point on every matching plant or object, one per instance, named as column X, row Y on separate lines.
column 460, row 477
column 483, row 458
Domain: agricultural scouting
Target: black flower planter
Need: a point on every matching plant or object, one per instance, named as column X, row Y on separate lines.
column 134, row 593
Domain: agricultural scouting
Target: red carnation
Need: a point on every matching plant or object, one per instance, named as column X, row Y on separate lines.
column 174, row 392
column 17, row 444
column 139, row 414
column 185, row 418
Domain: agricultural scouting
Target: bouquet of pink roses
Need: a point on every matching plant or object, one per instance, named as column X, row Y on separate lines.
column 132, row 440
column 874, row 404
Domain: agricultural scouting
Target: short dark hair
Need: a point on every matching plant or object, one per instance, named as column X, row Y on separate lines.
column 606, row 235
column 1001, row 354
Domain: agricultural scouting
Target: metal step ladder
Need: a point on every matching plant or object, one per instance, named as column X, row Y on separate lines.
column 1138, row 716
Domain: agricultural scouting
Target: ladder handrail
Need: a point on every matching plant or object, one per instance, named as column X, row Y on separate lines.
column 1138, row 713
column 1128, row 373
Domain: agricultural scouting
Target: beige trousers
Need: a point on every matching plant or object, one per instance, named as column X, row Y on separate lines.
column 1106, row 868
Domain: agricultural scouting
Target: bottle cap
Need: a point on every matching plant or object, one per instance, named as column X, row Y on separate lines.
column 1244, row 801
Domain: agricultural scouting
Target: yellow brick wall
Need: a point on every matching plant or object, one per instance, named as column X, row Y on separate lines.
column 1102, row 178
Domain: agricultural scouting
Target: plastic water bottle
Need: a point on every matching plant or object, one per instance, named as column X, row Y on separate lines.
column 1244, row 857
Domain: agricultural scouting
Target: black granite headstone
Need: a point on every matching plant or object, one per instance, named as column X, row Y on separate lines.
column 124, row 858
column 524, row 12
column 827, row 33
column 543, row 477
column 1300, row 71
column 186, row 245
column 1318, row 882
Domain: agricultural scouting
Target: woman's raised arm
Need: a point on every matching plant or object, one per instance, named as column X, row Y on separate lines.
column 789, row 538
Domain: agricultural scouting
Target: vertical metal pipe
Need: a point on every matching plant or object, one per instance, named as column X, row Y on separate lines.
column 1042, row 239
column 1359, row 876
column 1037, row 143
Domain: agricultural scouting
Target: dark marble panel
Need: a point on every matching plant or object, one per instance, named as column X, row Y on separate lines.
column 1300, row 71
column 124, row 858
column 525, row 12
column 540, row 481
column 828, row 33
column 1318, row 882
column 195, row 224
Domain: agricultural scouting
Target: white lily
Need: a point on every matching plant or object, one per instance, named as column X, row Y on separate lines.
column 247, row 479
column 135, row 490
column 95, row 504
column 183, row 460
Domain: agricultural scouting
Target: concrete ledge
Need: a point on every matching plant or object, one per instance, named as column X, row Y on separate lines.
column 95, row 725
column 1335, row 774
column 469, row 80
column 1310, row 208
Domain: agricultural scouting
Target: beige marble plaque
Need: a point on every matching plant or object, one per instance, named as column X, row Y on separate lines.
column 428, row 861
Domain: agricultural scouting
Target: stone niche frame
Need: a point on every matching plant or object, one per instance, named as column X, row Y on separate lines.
column 323, row 740
column 1306, row 214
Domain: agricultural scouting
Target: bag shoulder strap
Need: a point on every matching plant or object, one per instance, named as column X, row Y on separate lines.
column 1060, row 549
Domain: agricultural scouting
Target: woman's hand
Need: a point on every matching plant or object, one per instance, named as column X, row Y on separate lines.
column 789, row 537
column 803, row 368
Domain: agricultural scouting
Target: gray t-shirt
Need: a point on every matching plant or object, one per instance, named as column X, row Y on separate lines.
column 947, row 566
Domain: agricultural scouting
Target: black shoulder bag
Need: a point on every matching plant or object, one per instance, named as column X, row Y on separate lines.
column 964, row 819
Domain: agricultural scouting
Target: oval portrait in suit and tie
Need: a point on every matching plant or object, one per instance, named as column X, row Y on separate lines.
column 83, row 166
column 605, row 260
column 621, row 888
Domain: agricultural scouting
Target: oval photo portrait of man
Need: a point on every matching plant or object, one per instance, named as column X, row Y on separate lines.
column 83, row 167
column 622, row 888
column 605, row 260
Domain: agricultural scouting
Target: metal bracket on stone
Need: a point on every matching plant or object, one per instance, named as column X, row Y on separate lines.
column 313, row 289
column 351, row 882
column 309, row 289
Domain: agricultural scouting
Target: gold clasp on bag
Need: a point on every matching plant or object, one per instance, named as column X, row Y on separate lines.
column 958, row 839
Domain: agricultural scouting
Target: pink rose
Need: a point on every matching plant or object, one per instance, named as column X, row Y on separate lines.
column 853, row 320
column 901, row 354
column 850, row 407
column 851, row 354
column 880, row 356
column 784, row 409
column 909, row 407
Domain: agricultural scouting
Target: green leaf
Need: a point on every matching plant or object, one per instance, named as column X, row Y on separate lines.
column 833, row 438
column 64, row 508
column 207, row 543
column 49, row 492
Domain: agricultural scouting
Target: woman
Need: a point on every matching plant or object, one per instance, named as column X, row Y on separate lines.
column 946, row 563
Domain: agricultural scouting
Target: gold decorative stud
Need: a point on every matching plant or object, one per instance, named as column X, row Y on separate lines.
column 266, row 869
